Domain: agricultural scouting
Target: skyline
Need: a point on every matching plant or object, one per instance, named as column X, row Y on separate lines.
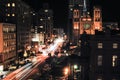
column 60, row 10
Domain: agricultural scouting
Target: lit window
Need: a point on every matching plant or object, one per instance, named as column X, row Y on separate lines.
column 115, row 45
column 99, row 60
column 8, row 14
column 99, row 79
column 100, row 45
column 8, row 4
column 46, row 10
column 41, row 26
column 13, row 14
column 114, row 60
column 41, row 19
column 49, row 18
column 71, row 9
column 13, row 4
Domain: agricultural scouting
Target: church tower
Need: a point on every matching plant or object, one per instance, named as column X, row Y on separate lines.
column 76, row 23
column 97, row 19
column 76, row 9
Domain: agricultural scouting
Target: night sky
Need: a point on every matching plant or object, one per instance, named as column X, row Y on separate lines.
column 110, row 9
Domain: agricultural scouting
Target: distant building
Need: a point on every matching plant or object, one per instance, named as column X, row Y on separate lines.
column 111, row 25
column 45, row 21
column 43, row 24
column 58, row 32
column 7, row 44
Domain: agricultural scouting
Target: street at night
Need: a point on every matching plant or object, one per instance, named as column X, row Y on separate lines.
column 59, row 40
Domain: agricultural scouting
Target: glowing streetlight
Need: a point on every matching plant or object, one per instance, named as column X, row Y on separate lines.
column 66, row 71
column 75, row 66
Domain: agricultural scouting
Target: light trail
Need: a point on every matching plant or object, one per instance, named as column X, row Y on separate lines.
column 52, row 47
column 22, row 72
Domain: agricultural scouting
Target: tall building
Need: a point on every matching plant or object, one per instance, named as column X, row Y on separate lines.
column 80, row 20
column 42, row 27
column 82, row 6
column 17, row 12
column 45, row 21
column 7, row 44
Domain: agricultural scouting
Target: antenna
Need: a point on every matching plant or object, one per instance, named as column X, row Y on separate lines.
column 84, row 8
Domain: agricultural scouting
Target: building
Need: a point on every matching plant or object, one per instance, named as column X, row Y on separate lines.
column 98, row 43
column 105, row 57
column 58, row 32
column 19, row 13
column 7, row 44
column 82, row 6
column 45, row 22
column 42, row 26
column 82, row 20
column 111, row 25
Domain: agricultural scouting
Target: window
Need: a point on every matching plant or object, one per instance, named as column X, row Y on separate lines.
column 13, row 4
column 100, row 45
column 13, row 14
column 46, row 10
column 115, row 45
column 114, row 60
column 99, row 60
column 8, row 14
column 8, row 5
column 99, row 78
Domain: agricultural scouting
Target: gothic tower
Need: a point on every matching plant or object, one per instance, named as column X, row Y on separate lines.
column 75, row 6
column 76, row 23
column 97, row 18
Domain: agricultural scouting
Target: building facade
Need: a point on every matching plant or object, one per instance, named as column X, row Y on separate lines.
column 19, row 13
column 105, row 57
column 81, row 20
column 82, row 6
column 7, row 44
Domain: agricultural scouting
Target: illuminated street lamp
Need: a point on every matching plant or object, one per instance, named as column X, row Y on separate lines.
column 66, row 73
column 75, row 66
column 25, row 54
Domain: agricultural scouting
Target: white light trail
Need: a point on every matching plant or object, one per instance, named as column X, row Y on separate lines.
column 52, row 47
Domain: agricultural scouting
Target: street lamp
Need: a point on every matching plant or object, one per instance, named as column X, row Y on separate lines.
column 75, row 66
column 66, row 72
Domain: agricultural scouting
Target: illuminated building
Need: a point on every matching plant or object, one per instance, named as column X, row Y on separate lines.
column 17, row 12
column 7, row 44
column 82, row 21
column 82, row 6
